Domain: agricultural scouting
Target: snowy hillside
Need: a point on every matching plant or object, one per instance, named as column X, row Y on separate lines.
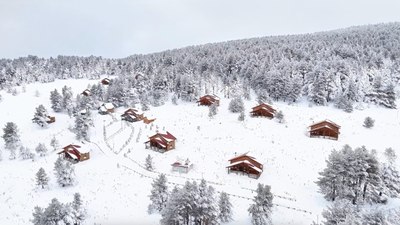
column 115, row 186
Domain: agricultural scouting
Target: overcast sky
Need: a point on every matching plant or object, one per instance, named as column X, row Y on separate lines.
column 118, row 28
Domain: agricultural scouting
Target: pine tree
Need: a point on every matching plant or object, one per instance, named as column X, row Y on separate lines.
column 56, row 101
column 173, row 213
column 13, row 154
column 225, row 208
column 236, row 105
column 149, row 163
column 42, row 179
column 82, row 125
column 205, row 209
column 339, row 212
column 25, row 153
column 38, row 216
column 390, row 175
column 159, row 194
column 261, row 208
column 279, row 116
column 54, row 143
column 369, row 122
column 67, row 99
column 64, row 171
column 41, row 116
column 41, row 149
column 78, row 212
column 55, row 213
column 11, row 136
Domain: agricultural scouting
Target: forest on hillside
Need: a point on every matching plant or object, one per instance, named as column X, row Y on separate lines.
column 344, row 67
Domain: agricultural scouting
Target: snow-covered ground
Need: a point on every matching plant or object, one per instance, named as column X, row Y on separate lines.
column 115, row 186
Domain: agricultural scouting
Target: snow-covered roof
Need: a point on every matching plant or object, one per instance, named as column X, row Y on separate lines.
column 108, row 105
column 328, row 121
column 248, row 163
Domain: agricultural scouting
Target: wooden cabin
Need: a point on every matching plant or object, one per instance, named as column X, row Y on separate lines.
column 106, row 108
column 263, row 110
column 163, row 142
column 245, row 164
column 182, row 167
column 147, row 120
column 71, row 152
column 208, row 100
column 86, row 92
column 105, row 81
column 132, row 115
column 325, row 129
column 51, row 119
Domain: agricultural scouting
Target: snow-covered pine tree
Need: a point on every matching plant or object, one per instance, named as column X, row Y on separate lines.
column 369, row 122
column 172, row 212
column 56, row 213
column 38, row 216
column 56, row 101
column 77, row 210
column 149, row 163
column 54, row 143
column 342, row 102
column 41, row 116
column 159, row 194
column 236, row 105
column 261, row 208
column 390, row 175
column 225, row 208
column 25, row 153
column 339, row 212
column 41, row 149
column 64, row 171
column 280, row 116
column 10, row 136
column 42, row 179
column 174, row 99
column 205, row 211
column 82, row 125
column 213, row 110
column 13, row 154
column 67, row 99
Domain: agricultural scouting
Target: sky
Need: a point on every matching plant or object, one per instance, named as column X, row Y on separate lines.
column 119, row 28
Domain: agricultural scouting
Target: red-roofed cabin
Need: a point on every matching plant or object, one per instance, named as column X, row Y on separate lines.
column 245, row 164
column 264, row 110
column 105, row 81
column 160, row 141
column 86, row 92
column 71, row 152
column 325, row 129
column 132, row 115
column 208, row 100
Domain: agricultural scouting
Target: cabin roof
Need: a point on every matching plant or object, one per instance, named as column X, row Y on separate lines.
column 328, row 121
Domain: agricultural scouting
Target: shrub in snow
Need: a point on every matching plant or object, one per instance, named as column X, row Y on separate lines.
column 212, row 110
column 13, row 154
column 279, row 116
column 225, row 208
column 339, row 212
column 261, row 209
column 41, row 149
column 236, row 105
column 64, row 171
column 149, row 163
column 42, row 179
column 159, row 194
column 241, row 116
column 41, row 116
column 54, row 143
column 25, row 153
column 174, row 100
column 369, row 122
column 78, row 212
